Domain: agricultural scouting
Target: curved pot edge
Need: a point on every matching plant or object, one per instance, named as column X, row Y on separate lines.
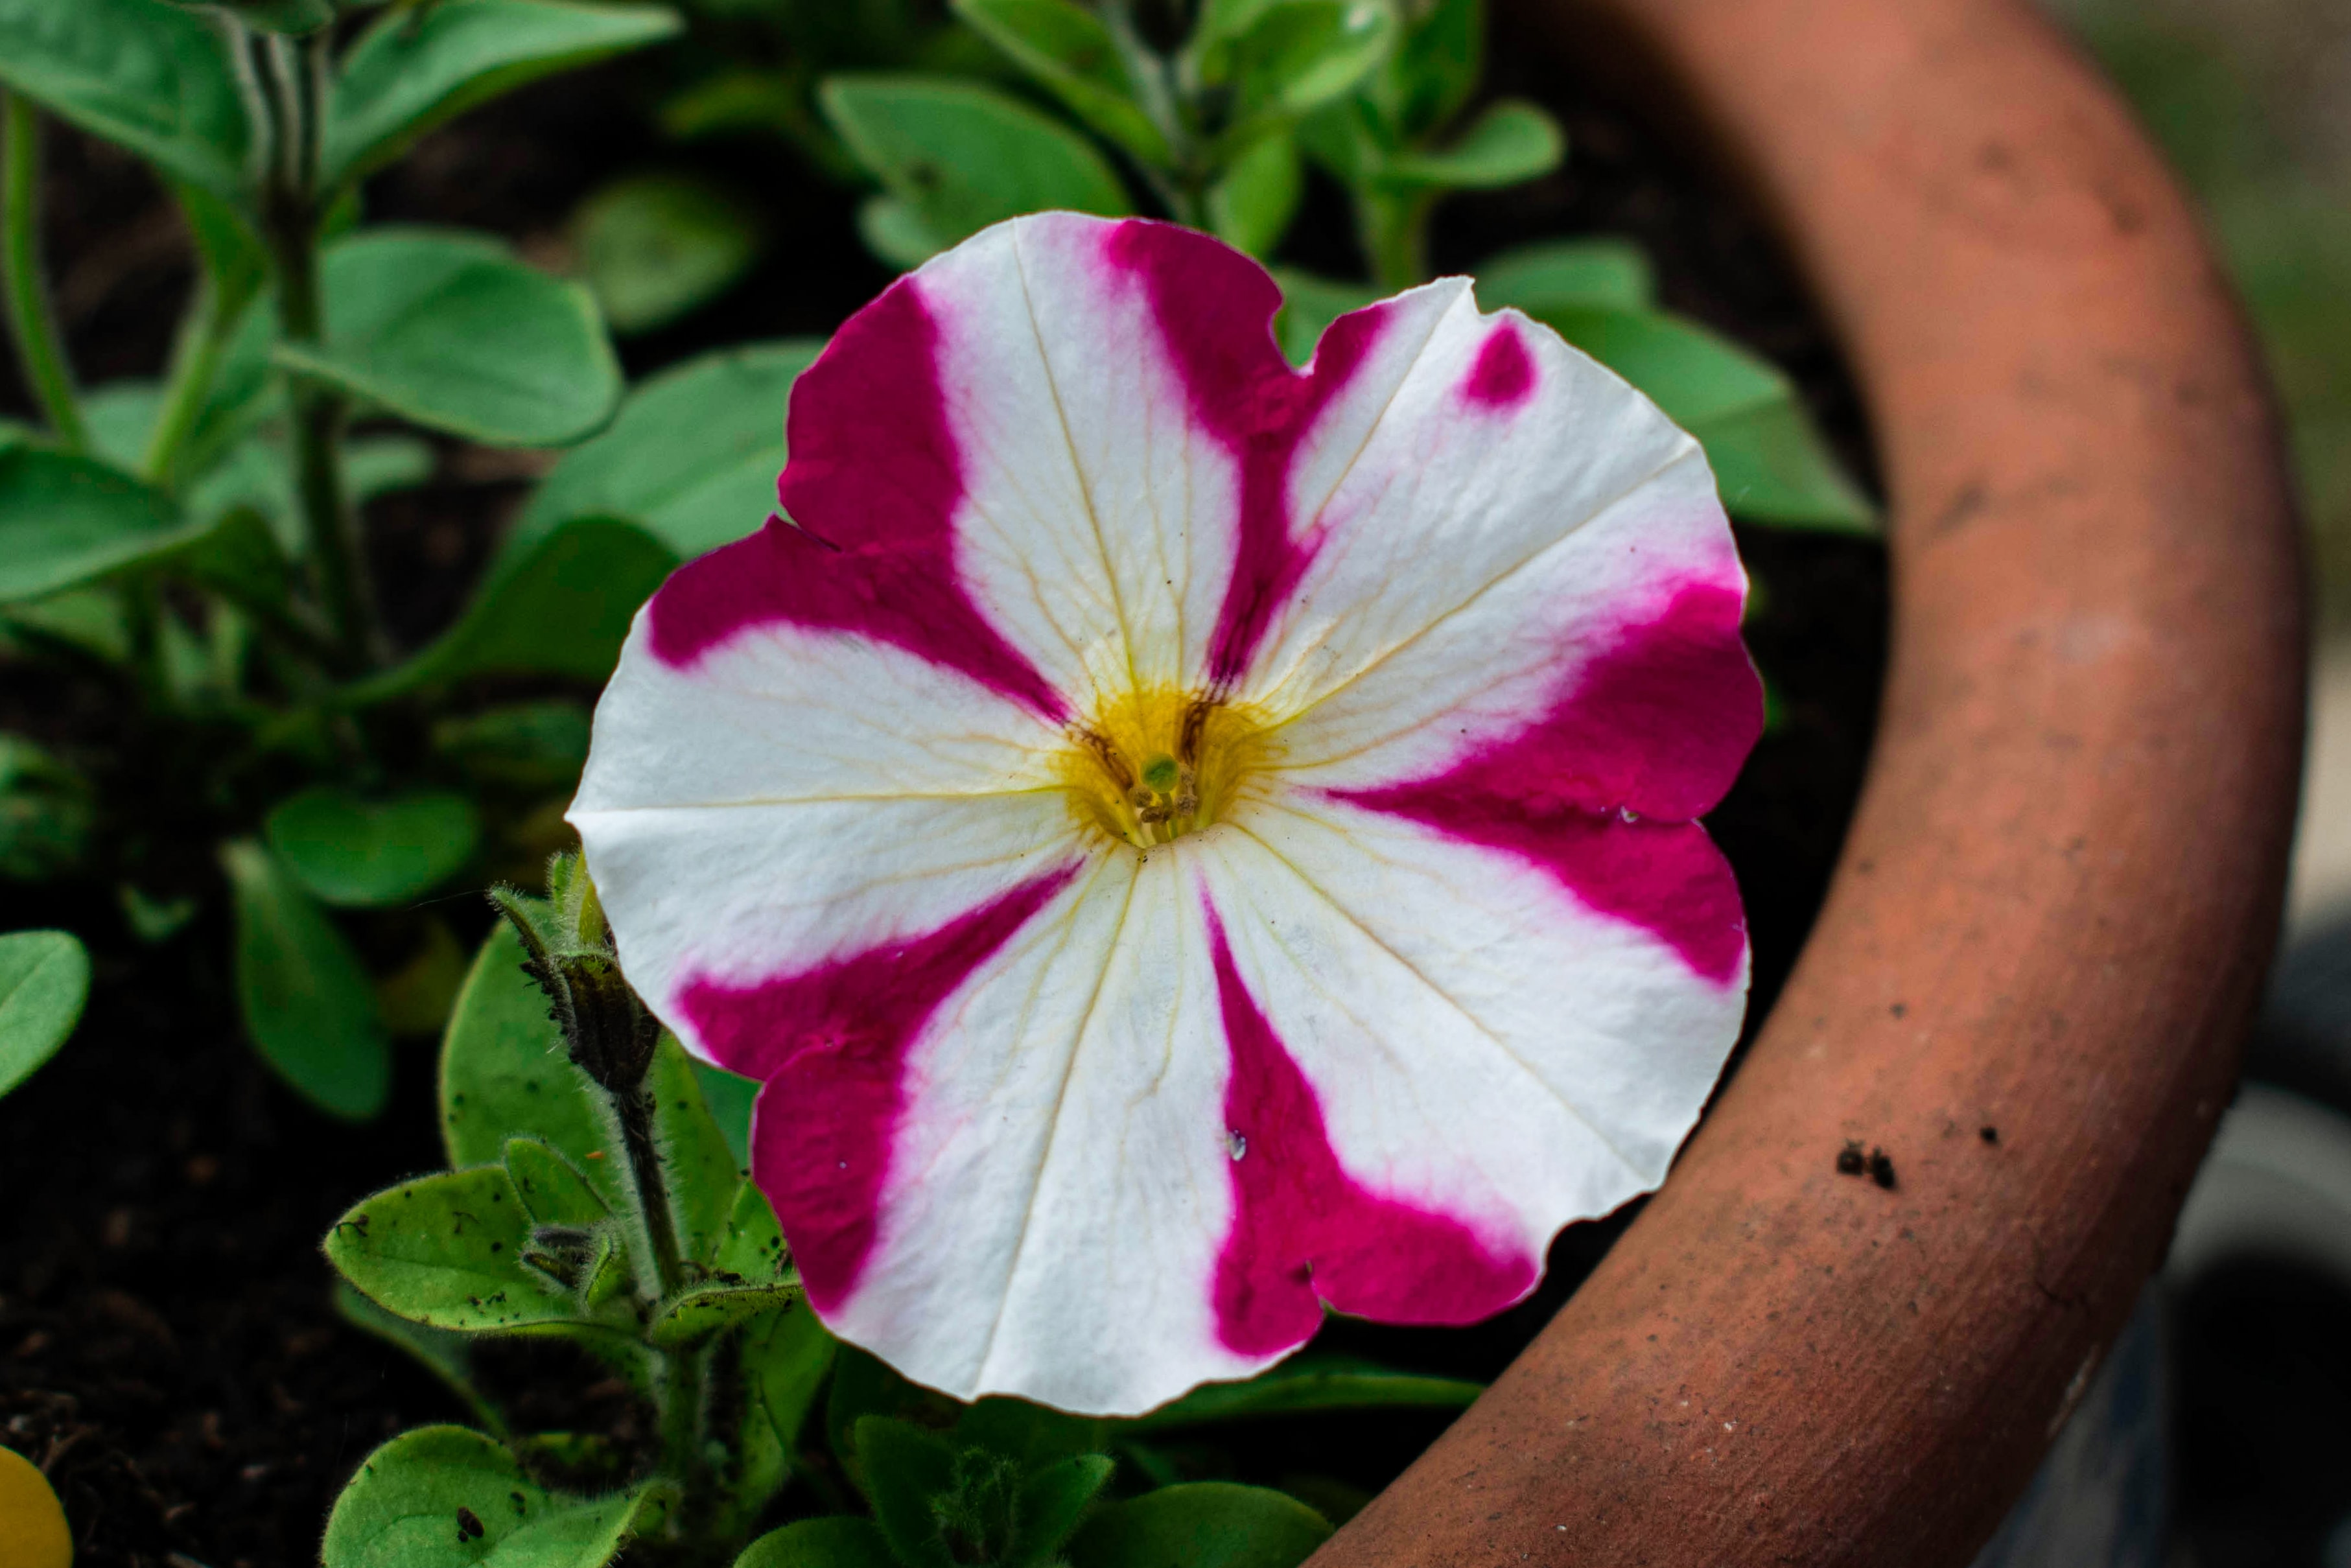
column 2058, row 896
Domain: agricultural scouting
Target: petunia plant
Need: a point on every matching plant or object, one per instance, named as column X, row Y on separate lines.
column 190, row 544
column 595, row 1203
column 1181, row 844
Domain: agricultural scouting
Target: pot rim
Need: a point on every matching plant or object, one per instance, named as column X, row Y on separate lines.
column 2059, row 893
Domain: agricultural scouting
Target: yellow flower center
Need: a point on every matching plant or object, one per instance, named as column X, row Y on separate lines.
column 1161, row 763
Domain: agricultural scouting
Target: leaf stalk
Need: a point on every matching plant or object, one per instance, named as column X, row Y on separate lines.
column 31, row 320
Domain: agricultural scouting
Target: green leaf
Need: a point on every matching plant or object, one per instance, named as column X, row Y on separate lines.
column 443, row 1496
column 419, row 67
column 1071, row 55
column 47, row 812
column 292, row 16
column 1033, row 1435
column 788, row 1356
column 863, row 1385
column 530, row 746
column 1771, row 462
column 360, row 852
column 1310, row 304
column 897, row 234
column 1280, row 60
column 157, row 80
column 905, row 1469
column 1251, row 206
column 1554, row 274
column 1512, row 142
column 563, row 608
column 843, row 1541
column 307, row 1003
column 503, row 1071
column 446, row 1251
column 752, row 1249
column 962, row 156
column 447, row 1356
column 44, row 983
column 694, row 1316
column 700, row 1170
column 1429, row 78
column 448, row 330
column 550, row 1186
column 1051, row 1502
column 1773, row 466
column 1205, row 1524
column 1317, row 1384
column 692, row 457
column 655, row 247
column 67, row 520
column 730, row 1098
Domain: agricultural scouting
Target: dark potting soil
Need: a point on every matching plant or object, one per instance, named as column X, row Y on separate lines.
column 169, row 1353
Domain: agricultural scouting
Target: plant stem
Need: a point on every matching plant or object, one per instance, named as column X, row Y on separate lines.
column 1393, row 231
column 289, row 221
column 35, row 327
column 684, row 1393
column 203, row 338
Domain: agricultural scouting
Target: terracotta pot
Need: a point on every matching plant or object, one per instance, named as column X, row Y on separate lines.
column 2059, row 894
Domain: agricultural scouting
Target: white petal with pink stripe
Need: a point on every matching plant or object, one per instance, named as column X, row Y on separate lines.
column 1186, row 842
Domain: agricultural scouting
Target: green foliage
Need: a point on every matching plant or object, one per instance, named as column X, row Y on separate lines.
column 1070, row 52
column 67, row 520
column 43, row 982
column 943, row 1502
column 653, row 247
column 530, row 746
column 357, row 851
column 958, row 156
column 1269, row 63
column 416, row 68
column 1609, row 274
column 445, row 329
column 1308, row 1384
column 1772, row 464
column 844, row 1540
column 304, row 995
column 691, row 458
column 503, row 1073
column 46, row 812
column 1205, row 1524
column 1251, row 206
column 562, row 608
column 150, row 77
column 441, row 1496
column 447, row 1252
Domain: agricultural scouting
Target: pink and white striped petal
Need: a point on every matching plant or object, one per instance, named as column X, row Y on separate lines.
column 795, row 795
column 1088, row 1088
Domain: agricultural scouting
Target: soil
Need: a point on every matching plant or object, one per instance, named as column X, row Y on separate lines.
column 169, row 1351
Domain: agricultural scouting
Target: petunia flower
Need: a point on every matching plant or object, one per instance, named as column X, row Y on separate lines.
column 1185, row 842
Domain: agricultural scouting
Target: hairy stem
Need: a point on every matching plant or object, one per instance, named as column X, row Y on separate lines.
column 30, row 319
column 684, row 1391
column 288, row 73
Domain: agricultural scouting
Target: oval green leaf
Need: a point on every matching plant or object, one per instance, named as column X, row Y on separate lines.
column 419, row 67
column 446, row 1251
column 451, row 332
column 1567, row 273
column 503, row 1071
column 561, row 607
column 692, row 457
column 145, row 76
column 962, row 156
column 67, row 520
column 358, row 851
column 842, row 1540
column 1512, row 142
column 307, row 1003
column 443, row 1496
column 1320, row 1384
column 654, row 248
column 44, row 984
column 1205, row 1524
